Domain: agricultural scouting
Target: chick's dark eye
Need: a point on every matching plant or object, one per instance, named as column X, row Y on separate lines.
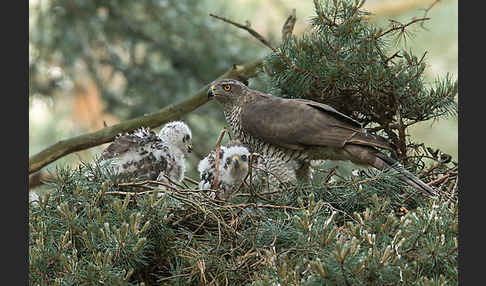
column 227, row 87
column 243, row 158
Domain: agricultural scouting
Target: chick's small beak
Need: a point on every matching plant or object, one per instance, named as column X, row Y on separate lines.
column 236, row 162
column 189, row 148
column 211, row 92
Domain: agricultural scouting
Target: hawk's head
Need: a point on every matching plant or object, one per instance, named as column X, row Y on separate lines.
column 227, row 90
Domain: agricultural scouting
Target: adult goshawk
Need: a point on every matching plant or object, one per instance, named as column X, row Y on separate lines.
column 299, row 130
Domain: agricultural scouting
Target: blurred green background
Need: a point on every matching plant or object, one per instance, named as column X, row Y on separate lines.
column 92, row 62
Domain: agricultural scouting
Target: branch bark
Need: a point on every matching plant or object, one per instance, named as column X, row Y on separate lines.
column 166, row 114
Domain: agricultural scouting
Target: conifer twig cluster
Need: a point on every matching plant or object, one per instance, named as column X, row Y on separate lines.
column 367, row 228
column 123, row 231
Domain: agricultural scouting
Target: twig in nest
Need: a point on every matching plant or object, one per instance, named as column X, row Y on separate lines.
column 142, row 183
column 174, row 276
column 132, row 193
column 441, row 179
column 282, row 182
column 170, row 181
column 454, row 188
column 250, row 175
column 340, row 211
column 256, row 194
column 250, row 170
column 261, row 194
column 253, row 205
column 331, row 172
column 191, row 180
column 216, row 166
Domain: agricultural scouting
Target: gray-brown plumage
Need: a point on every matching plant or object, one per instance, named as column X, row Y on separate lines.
column 134, row 154
column 299, row 130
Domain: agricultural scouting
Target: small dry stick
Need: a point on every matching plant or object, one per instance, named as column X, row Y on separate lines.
column 253, row 205
column 132, row 193
column 261, row 194
column 439, row 180
column 191, row 180
column 250, row 176
column 143, row 183
column 401, row 26
column 267, row 44
column 248, row 29
column 426, row 11
column 250, row 168
column 454, row 188
column 170, row 181
column 216, row 167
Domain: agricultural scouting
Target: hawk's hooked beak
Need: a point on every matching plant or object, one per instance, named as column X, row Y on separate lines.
column 211, row 91
column 189, row 148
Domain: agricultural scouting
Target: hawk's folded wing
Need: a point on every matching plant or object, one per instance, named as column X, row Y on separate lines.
column 298, row 123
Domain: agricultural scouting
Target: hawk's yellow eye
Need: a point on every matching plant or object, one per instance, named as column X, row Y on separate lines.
column 227, row 87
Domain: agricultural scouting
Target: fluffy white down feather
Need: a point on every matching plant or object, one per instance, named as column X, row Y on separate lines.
column 179, row 137
column 145, row 153
column 233, row 168
column 232, row 175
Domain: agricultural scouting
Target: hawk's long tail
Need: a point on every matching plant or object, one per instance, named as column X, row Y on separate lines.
column 380, row 161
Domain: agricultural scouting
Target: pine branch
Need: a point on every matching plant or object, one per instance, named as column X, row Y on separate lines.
column 166, row 114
